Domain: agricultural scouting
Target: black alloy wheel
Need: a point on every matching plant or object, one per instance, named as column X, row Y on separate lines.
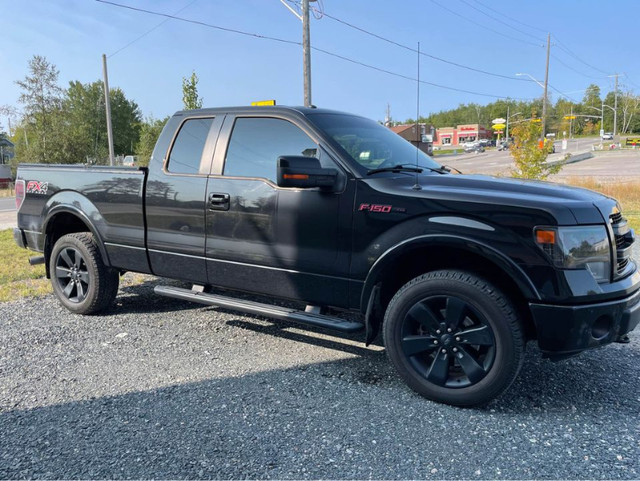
column 454, row 338
column 448, row 341
column 72, row 274
column 79, row 277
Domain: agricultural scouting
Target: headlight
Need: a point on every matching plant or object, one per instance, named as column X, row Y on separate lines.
column 583, row 247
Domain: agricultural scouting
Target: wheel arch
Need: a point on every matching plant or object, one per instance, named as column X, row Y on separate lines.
column 400, row 264
column 67, row 219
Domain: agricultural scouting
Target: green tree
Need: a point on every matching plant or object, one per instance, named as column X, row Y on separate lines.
column 150, row 130
column 629, row 106
column 190, row 97
column 126, row 119
column 592, row 96
column 528, row 157
column 42, row 100
column 85, row 126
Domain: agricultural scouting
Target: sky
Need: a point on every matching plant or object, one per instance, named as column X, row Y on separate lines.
column 148, row 56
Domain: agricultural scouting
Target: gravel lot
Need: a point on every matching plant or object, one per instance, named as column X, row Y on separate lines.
column 160, row 388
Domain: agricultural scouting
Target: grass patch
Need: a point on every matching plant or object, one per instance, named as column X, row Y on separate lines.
column 17, row 277
column 7, row 192
column 626, row 192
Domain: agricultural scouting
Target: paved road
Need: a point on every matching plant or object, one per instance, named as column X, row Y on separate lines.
column 159, row 388
column 614, row 165
column 7, row 212
column 7, row 204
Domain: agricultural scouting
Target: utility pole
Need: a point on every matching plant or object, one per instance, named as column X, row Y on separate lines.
column 306, row 53
column 546, row 86
column 571, row 123
column 601, row 120
column 107, row 105
column 506, row 135
column 615, row 109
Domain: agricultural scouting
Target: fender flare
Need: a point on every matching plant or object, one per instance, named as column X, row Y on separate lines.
column 521, row 279
column 73, row 210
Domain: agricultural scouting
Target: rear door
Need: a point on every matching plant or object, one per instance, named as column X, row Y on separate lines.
column 176, row 201
column 284, row 242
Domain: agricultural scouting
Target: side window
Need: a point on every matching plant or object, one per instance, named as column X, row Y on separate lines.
column 256, row 144
column 186, row 154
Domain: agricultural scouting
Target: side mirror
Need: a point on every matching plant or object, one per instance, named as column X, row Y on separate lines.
column 304, row 172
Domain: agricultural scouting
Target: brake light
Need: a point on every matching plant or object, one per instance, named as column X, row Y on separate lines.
column 19, row 193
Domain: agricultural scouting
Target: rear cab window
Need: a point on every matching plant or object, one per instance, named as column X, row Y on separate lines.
column 188, row 154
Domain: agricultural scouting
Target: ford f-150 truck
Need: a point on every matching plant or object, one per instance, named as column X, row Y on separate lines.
column 357, row 229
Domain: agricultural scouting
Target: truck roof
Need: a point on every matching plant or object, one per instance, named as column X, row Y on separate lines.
column 262, row 109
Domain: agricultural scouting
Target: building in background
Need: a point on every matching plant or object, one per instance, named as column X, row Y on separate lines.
column 6, row 154
column 455, row 136
column 421, row 137
column 6, row 150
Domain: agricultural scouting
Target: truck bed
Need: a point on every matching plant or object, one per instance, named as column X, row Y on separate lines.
column 110, row 197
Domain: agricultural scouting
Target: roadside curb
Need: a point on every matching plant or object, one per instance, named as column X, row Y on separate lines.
column 571, row 160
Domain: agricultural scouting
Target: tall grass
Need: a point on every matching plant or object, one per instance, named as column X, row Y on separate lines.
column 627, row 192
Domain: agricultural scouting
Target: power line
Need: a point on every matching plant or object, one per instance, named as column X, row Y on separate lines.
column 563, row 94
column 510, row 18
column 562, row 46
column 566, row 50
column 502, row 22
column 631, row 81
column 411, row 49
column 292, row 42
column 576, row 71
column 497, row 32
column 413, row 79
column 151, row 29
column 204, row 24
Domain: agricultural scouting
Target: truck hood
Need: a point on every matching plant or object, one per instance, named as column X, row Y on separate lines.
column 569, row 205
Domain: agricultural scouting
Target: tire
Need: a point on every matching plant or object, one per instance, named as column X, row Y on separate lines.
column 80, row 280
column 454, row 338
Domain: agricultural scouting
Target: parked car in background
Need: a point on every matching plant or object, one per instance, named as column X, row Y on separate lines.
column 607, row 136
column 474, row 147
column 130, row 160
column 504, row 145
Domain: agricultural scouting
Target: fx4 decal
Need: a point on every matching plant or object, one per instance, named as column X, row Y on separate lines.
column 35, row 187
column 381, row 208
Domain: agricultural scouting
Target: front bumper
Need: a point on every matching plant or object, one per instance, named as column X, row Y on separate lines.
column 567, row 330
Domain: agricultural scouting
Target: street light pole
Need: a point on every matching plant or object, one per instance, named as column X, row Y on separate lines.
column 508, row 118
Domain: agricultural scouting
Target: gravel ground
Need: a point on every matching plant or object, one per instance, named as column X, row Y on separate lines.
column 160, row 388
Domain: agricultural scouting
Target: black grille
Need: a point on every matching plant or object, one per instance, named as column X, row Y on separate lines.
column 616, row 218
column 624, row 238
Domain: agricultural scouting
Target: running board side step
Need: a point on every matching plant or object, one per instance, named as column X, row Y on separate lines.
column 267, row 310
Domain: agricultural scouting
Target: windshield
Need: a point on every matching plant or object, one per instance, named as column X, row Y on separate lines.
column 369, row 144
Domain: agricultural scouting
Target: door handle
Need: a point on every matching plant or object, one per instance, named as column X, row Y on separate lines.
column 219, row 201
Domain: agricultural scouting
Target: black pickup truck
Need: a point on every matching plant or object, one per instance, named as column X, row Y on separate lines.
column 357, row 229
